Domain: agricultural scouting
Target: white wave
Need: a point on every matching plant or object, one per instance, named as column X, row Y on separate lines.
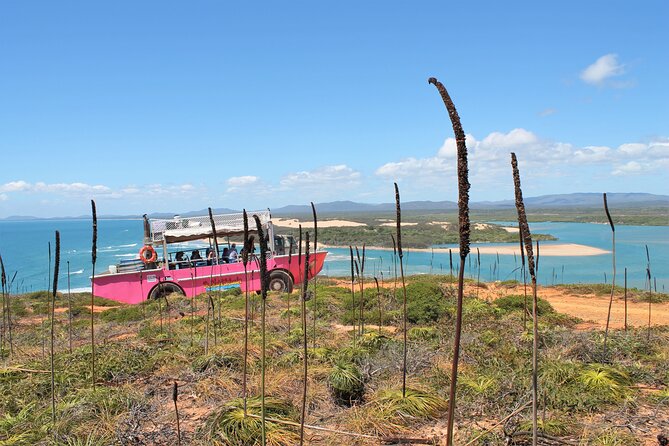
column 125, row 255
column 131, row 245
column 81, row 290
column 81, row 271
column 335, row 258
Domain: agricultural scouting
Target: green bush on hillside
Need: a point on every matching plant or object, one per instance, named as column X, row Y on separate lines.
column 513, row 303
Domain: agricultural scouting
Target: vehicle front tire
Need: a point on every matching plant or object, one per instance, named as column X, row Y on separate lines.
column 165, row 289
column 280, row 281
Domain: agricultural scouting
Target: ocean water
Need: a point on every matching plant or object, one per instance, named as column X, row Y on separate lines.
column 630, row 254
column 24, row 248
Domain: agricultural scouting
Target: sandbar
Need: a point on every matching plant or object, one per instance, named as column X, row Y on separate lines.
column 295, row 223
column 548, row 250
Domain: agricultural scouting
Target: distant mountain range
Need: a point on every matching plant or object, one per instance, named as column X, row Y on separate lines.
column 556, row 201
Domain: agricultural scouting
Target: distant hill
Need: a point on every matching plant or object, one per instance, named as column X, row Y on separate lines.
column 587, row 200
column 556, row 201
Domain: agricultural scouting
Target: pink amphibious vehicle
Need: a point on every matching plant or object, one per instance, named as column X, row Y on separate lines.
column 169, row 263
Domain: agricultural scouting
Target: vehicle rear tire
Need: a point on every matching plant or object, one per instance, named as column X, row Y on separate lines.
column 165, row 289
column 280, row 281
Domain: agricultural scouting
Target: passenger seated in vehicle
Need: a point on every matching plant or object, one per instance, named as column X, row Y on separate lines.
column 180, row 260
column 226, row 255
column 196, row 259
column 211, row 255
column 233, row 254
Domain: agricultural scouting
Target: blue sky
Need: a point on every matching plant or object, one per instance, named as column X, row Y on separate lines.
column 174, row 106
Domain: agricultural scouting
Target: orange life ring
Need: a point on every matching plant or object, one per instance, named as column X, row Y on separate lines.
column 152, row 256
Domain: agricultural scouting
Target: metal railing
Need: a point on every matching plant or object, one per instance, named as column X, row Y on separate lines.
column 225, row 224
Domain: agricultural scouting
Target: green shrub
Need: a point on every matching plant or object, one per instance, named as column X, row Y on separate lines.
column 346, row 383
column 428, row 334
column 229, row 425
column 425, row 302
column 215, row 361
column 417, row 404
column 512, row 303
column 126, row 313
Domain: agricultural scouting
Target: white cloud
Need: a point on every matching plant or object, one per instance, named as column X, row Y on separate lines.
column 15, row 186
column 75, row 188
column 489, row 159
column 78, row 189
column 339, row 175
column 245, row 180
column 547, row 112
column 417, row 168
column 592, row 154
column 4, row 197
column 633, row 149
column 629, row 168
column 511, row 140
column 604, row 68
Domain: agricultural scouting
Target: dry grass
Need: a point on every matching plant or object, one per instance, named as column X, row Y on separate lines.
column 137, row 366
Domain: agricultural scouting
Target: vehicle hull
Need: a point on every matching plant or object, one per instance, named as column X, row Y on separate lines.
column 136, row 287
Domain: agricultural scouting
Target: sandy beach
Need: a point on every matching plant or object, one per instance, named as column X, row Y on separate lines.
column 511, row 229
column 404, row 223
column 295, row 223
column 552, row 250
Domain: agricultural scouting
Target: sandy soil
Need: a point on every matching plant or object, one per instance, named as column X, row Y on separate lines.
column 511, row 229
column 393, row 224
column 592, row 309
column 444, row 224
column 481, row 226
column 553, row 250
column 294, row 223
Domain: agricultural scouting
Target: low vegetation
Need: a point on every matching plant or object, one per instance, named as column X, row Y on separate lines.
column 419, row 234
column 587, row 395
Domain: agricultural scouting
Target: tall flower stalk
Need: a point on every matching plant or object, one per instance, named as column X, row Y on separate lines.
column 213, row 231
column 264, row 279
column 650, row 291
column 245, row 260
column 527, row 240
column 48, row 284
column 521, row 237
column 378, row 297
column 94, row 257
column 53, row 316
column 5, row 307
column 69, row 308
column 613, row 282
column 290, row 259
column 361, row 281
column 305, row 286
column 350, row 248
column 464, row 228
column 314, row 305
column 398, row 212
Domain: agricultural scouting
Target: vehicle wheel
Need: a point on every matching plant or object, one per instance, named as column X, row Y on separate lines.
column 165, row 289
column 280, row 281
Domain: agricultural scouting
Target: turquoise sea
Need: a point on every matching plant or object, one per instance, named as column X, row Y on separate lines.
column 24, row 248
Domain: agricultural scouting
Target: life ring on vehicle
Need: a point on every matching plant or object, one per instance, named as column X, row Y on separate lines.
column 148, row 254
